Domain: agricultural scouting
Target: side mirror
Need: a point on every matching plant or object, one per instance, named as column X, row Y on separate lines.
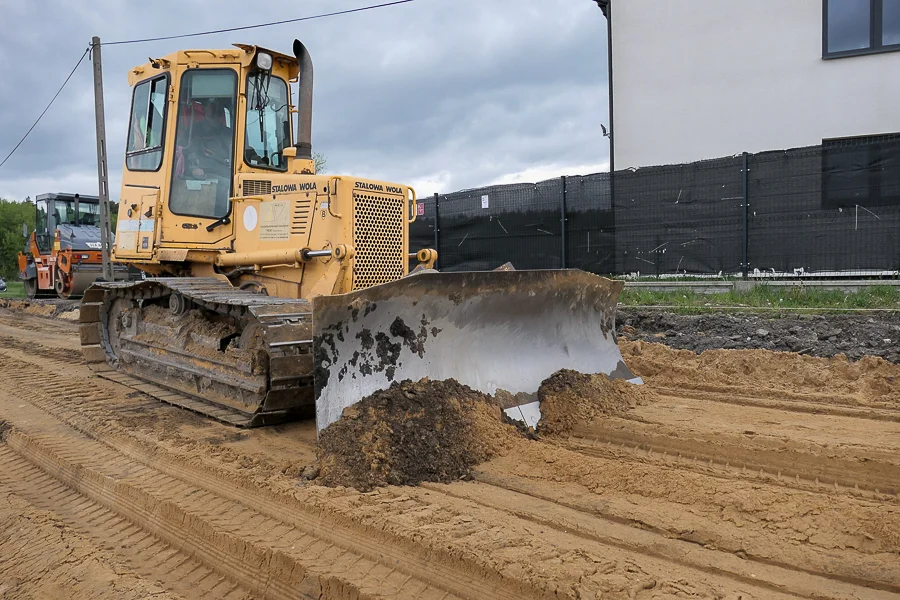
column 25, row 230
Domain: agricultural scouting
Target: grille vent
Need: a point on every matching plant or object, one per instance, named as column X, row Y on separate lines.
column 378, row 226
column 301, row 215
column 257, row 187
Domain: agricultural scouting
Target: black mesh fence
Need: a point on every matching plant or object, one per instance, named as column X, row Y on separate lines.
column 680, row 218
column 827, row 210
column 824, row 210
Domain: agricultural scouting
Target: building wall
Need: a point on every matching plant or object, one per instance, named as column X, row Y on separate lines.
column 696, row 79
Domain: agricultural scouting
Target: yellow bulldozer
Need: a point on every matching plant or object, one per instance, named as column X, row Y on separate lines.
column 272, row 292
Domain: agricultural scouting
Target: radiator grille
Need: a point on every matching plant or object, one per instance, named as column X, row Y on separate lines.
column 378, row 227
column 301, row 216
column 257, row 187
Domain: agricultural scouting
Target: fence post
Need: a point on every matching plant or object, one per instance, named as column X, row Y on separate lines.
column 437, row 229
column 562, row 225
column 745, row 261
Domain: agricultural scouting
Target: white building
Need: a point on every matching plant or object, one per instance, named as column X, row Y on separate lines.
column 696, row 79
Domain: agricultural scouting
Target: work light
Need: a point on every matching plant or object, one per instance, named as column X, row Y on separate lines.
column 264, row 61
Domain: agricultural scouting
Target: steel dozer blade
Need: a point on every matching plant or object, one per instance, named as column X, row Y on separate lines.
column 500, row 330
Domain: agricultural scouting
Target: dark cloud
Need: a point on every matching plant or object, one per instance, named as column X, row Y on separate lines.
column 444, row 94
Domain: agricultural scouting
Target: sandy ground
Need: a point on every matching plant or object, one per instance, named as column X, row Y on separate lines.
column 738, row 474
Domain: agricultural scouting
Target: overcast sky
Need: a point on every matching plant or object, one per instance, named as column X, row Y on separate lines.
column 440, row 94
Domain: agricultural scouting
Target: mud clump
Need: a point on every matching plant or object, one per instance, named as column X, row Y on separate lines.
column 411, row 433
column 568, row 397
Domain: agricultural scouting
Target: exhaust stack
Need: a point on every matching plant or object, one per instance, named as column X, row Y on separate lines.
column 305, row 99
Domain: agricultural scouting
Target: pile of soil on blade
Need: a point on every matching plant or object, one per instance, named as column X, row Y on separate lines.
column 568, row 397
column 410, row 433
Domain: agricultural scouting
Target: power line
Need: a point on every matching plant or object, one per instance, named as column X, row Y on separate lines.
column 187, row 35
column 242, row 28
column 33, row 125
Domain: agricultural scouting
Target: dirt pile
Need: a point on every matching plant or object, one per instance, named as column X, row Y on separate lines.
column 410, row 433
column 569, row 397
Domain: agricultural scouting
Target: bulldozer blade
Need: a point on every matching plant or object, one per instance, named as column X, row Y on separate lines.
column 492, row 331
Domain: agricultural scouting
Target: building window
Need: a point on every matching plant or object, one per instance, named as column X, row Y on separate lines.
column 854, row 27
column 861, row 171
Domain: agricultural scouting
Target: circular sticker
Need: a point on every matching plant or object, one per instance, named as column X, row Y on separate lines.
column 250, row 218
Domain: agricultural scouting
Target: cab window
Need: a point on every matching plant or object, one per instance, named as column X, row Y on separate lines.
column 204, row 144
column 145, row 133
column 64, row 212
column 268, row 129
column 41, row 237
column 88, row 214
column 40, row 222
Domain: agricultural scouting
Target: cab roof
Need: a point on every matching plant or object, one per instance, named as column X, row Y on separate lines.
column 241, row 54
column 68, row 197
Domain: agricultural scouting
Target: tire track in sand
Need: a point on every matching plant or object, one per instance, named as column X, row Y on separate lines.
column 816, row 404
column 229, row 528
column 519, row 497
column 730, row 459
column 143, row 552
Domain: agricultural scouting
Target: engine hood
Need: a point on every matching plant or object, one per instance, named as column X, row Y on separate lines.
column 79, row 237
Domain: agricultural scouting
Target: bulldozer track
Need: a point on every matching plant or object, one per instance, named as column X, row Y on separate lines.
column 242, row 396
column 197, row 511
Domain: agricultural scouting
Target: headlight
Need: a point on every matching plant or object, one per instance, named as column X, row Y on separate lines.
column 264, row 61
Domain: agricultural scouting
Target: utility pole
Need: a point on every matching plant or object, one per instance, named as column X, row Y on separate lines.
column 102, row 164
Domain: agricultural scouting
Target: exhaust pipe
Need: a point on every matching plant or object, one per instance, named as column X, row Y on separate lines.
column 305, row 99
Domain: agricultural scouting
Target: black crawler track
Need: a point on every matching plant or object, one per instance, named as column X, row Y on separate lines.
column 270, row 382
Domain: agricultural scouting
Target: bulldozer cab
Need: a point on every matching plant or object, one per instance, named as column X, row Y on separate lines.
column 199, row 118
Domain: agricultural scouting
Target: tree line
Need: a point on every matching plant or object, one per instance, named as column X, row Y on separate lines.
column 12, row 215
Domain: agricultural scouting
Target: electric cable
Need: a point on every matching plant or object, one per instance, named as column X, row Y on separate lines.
column 41, row 116
column 187, row 35
column 245, row 27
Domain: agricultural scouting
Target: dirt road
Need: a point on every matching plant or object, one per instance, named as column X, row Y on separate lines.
column 743, row 474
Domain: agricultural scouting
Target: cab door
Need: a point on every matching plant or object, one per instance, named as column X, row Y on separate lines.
column 149, row 215
column 145, row 169
column 197, row 213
